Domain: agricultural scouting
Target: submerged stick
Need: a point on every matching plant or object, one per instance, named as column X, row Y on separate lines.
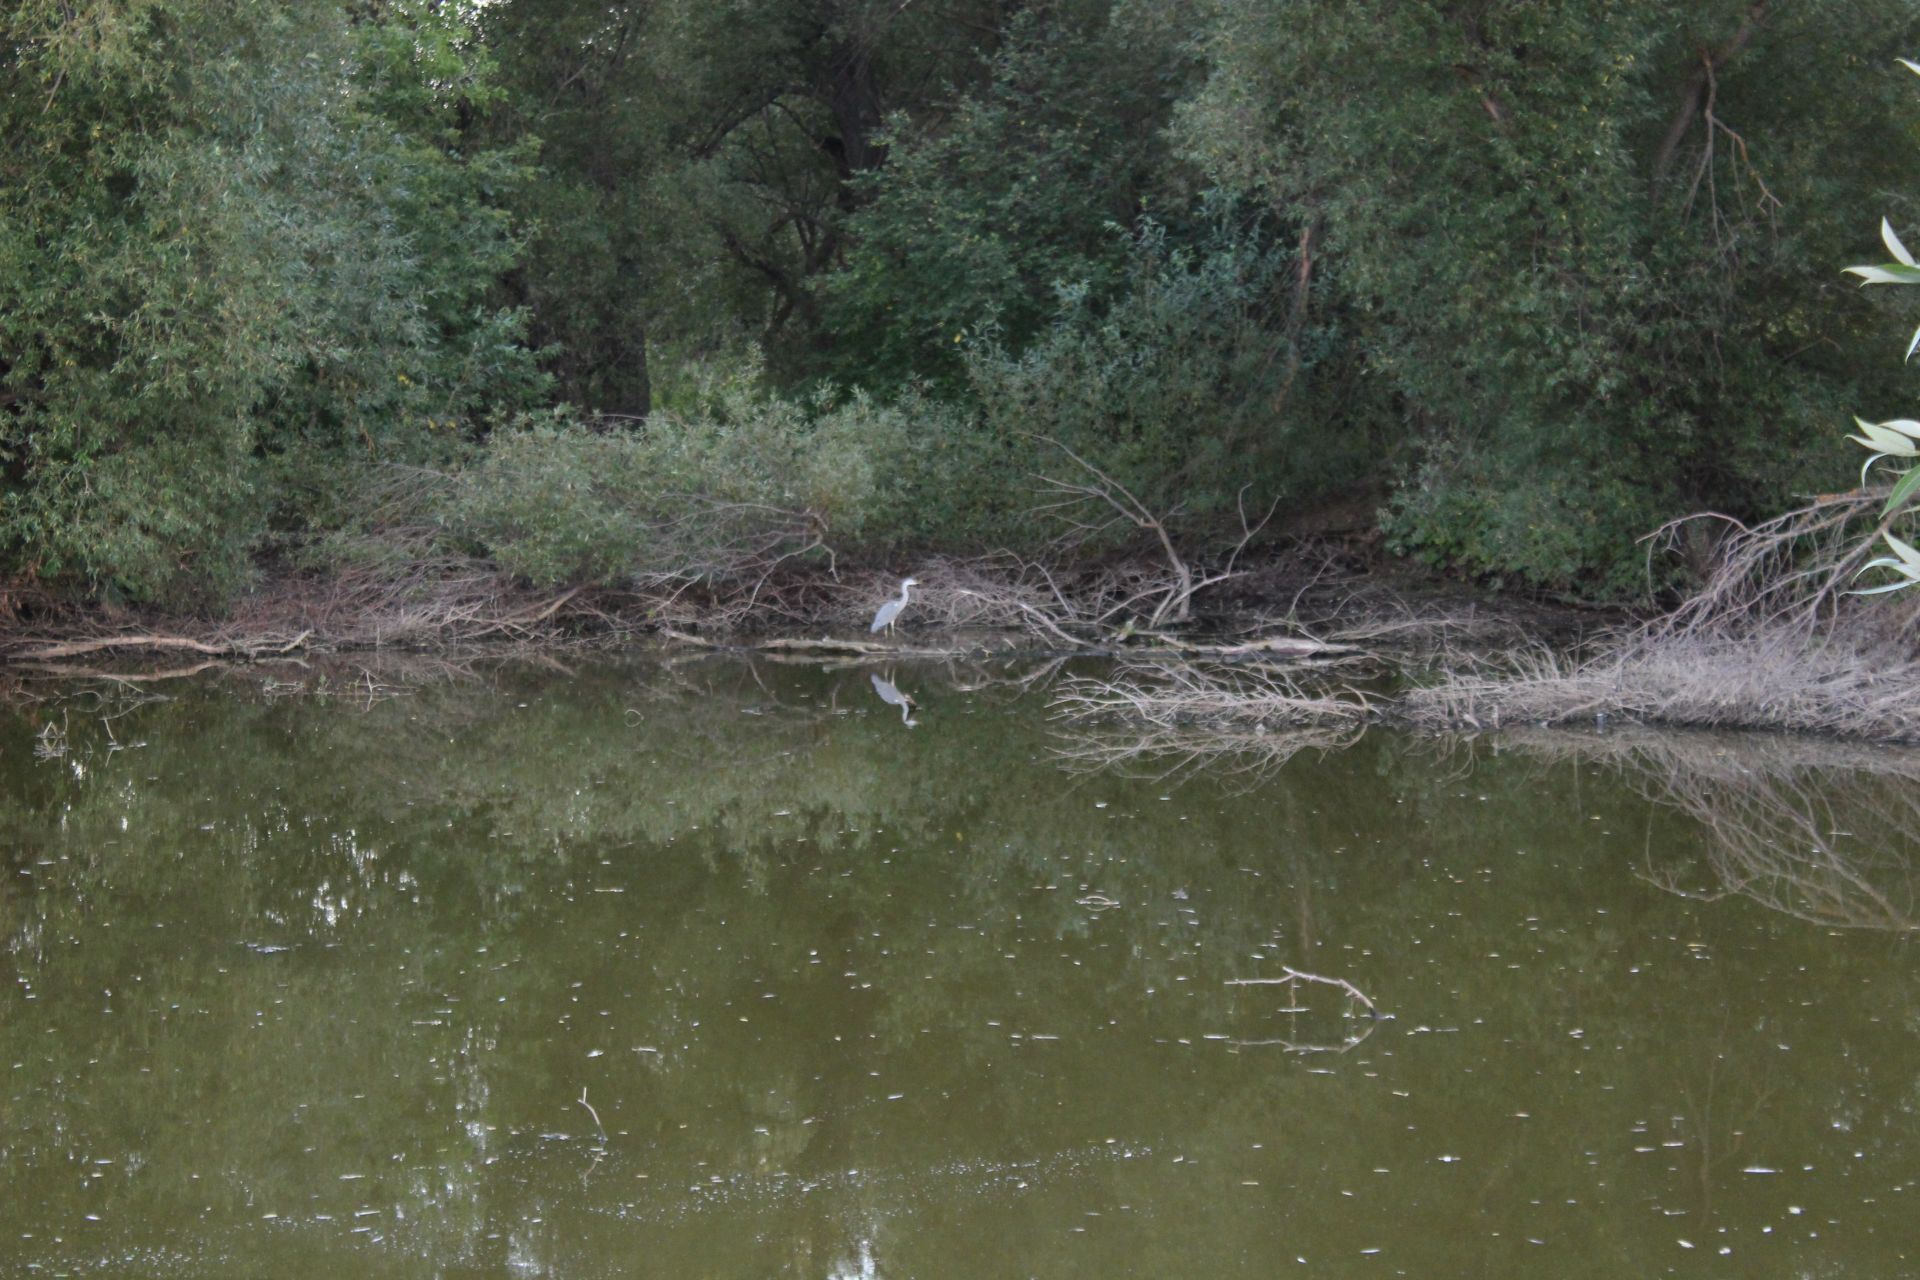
column 1292, row 974
column 595, row 1114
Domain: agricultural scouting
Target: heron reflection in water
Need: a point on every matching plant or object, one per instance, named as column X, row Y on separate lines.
column 891, row 695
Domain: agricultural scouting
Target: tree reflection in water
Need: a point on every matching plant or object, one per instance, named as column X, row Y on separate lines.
column 714, row 965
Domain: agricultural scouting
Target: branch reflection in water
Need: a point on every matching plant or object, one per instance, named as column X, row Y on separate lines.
column 1237, row 720
column 1818, row 830
column 710, row 959
column 1355, row 1022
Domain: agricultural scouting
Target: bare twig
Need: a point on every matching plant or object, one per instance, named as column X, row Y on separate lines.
column 1175, row 606
column 1291, row 978
column 596, row 1117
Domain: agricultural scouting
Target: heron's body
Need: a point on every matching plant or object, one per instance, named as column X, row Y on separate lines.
column 890, row 611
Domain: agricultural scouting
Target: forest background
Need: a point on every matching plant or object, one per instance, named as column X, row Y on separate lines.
column 605, row 292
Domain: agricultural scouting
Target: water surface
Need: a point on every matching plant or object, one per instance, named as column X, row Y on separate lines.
column 731, row 971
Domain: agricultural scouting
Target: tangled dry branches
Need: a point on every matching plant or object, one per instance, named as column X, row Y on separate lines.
column 1110, row 502
column 1772, row 639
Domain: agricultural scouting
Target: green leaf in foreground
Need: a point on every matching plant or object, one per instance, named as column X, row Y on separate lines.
column 1903, row 490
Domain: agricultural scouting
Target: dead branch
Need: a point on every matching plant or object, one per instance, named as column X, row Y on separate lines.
column 1038, row 619
column 1693, row 95
column 1289, row 646
column 1771, row 639
column 240, row 648
column 1291, row 978
column 541, row 614
column 1105, row 490
column 1704, row 170
column 820, row 645
column 1174, row 598
column 65, row 672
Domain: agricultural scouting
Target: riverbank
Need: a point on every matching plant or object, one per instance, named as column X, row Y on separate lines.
column 1325, row 591
column 1304, row 646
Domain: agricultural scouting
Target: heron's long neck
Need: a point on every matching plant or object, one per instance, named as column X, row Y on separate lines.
column 903, row 595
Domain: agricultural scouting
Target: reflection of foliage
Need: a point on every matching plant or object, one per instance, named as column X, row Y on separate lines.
column 1779, row 816
column 403, row 940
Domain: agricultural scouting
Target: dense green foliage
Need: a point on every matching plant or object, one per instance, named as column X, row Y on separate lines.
column 1533, row 278
column 1588, row 243
column 241, row 249
column 739, row 477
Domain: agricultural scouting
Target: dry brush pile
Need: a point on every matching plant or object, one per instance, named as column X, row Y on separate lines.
column 1774, row 639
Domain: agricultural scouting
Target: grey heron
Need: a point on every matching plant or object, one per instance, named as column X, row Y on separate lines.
column 890, row 611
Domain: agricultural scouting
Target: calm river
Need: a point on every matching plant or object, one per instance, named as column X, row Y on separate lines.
column 729, row 971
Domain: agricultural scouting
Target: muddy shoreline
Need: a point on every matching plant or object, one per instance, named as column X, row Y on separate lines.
column 960, row 607
column 1309, row 648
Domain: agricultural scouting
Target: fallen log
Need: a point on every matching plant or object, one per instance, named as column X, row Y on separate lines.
column 218, row 649
column 1288, row 646
column 822, row 645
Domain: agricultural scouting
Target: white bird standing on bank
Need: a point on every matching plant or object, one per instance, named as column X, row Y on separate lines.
column 890, row 611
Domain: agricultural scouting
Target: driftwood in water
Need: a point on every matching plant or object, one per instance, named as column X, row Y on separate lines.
column 824, row 645
column 1287, row 646
column 221, row 649
column 1292, row 978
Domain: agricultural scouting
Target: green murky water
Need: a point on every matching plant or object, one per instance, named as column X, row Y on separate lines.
column 730, row 972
